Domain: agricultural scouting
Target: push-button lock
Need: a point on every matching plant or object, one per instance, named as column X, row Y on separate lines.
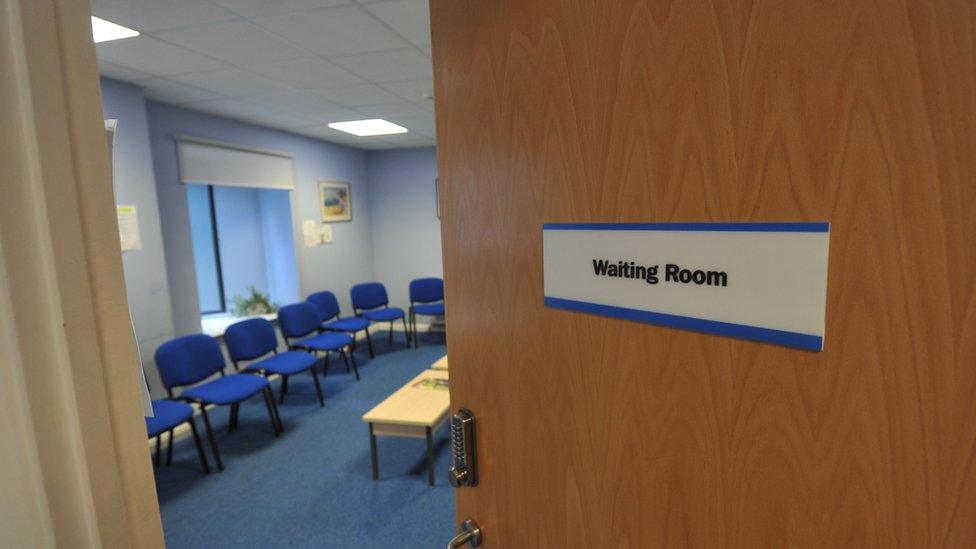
column 464, row 470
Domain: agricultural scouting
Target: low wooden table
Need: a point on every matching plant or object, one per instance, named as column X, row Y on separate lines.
column 413, row 411
column 441, row 364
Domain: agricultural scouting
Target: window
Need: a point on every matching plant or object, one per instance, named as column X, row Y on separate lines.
column 242, row 237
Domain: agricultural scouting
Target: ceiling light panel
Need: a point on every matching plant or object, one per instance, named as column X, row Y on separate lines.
column 366, row 128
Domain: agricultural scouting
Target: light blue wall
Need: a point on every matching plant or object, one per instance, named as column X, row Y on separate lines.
column 145, row 269
column 336, row 266
column 405, row 228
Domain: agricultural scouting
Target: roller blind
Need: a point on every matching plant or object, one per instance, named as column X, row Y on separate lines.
column 214, row 163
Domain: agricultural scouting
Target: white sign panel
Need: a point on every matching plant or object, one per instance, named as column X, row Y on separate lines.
column 760, row 281
column 129, row 228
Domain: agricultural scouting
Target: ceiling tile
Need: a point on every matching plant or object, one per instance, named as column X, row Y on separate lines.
column 154, row 15
column 244, row 110
column 258, row 8
column 309, row 105
column 118, row 72
column 357, row 96
column 404, row 140
column 388, row 66
column 168, row 91
column 411, row 90
column 237, row 42
column 233, row 82
column 307, row 73
column 423, row 125
column 410, row 18
column 326, row 133
column 333, row 31
column 396, row 110
column 153, row 56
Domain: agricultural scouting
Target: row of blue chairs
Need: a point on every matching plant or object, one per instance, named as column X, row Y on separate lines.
column 310, row 328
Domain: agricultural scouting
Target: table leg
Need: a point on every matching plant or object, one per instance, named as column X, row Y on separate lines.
column 372, row 453
column 430, row 457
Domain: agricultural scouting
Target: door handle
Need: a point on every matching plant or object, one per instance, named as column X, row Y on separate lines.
column 470, row 534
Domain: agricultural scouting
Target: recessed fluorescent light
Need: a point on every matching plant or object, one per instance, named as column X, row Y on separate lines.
column 363, row 128
column 104, row 31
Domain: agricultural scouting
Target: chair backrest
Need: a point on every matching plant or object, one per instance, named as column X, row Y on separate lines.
column 326, row 304
column 369, row 295
column 298, row 320
column 426, row 290
column 249, row 339
column 188, row 359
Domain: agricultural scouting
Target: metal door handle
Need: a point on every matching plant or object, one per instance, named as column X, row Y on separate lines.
column 470, row 534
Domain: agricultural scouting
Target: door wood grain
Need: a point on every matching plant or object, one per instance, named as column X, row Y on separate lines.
column 597, row 432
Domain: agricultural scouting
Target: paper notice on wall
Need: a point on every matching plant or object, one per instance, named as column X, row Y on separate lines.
column 325, row 234
column 310, row 233
column 128, row 228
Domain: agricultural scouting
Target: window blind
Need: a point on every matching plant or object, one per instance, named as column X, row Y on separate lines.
column 214, row 163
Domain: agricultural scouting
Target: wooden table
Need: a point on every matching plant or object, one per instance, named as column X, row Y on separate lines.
column 441, row 364
column 412, row 411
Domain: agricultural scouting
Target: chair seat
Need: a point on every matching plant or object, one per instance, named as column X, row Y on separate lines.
column 434, row 309
column 351, row 324
column 228, row 389
column 284, row 364
column 329, row 341
column 168, row 414
column 384, row 315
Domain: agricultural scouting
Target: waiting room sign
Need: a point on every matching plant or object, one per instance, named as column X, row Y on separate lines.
column 760, row 281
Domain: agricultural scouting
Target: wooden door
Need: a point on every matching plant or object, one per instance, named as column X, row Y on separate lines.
column 598, row 432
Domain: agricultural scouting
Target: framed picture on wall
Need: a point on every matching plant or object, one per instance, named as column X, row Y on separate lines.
column 335, row 199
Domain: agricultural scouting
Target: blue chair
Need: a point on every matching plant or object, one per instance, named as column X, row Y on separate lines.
column 328, row 308
column 168, row 415
column 254, row 338
column 193, row 358
column 426, row 298
column 369, row 300
column 300, row 322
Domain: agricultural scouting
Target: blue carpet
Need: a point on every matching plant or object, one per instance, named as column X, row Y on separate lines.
column 312, row 487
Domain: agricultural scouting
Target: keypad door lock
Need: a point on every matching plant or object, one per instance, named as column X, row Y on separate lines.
column 464, row 469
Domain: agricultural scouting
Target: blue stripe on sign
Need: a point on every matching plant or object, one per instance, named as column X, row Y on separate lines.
column 778, row 337
column 821, row 227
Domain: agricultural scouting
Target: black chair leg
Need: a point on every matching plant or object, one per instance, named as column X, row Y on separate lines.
column 210, row 435
column 391, row 332
column 196, row 441
column 274, row 408
column 325, row 365
column 369, row 344
column 284, row 388
column 159, row 450
column 406, row 331
column 232, row 424
column 352, row 357
column 318, row 386
column 268, row 400
column 169, row 449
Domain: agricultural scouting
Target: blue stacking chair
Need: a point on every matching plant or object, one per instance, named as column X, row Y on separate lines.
column 255, row 338
column 168, row 415
column 328, row 308
column 193, row 358
column 369, row 300
column 300, row 322
column 426, row 298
